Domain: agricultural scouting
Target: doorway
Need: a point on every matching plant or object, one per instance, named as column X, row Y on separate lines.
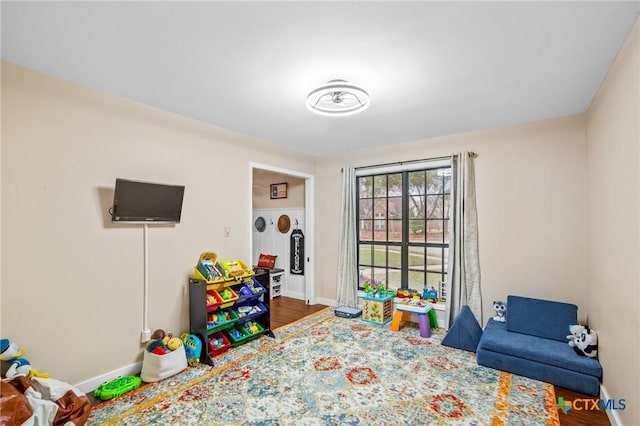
column 269, row 234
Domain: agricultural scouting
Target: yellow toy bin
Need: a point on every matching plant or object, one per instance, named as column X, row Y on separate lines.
column 233, row 270
column 236, row 269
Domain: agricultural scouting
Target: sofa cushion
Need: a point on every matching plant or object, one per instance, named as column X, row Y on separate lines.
column 542, row 318
column 496, row 338
column 464, row 333
column 573, row 380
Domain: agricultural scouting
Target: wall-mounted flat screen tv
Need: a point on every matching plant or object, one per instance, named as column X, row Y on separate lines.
column 146, row 202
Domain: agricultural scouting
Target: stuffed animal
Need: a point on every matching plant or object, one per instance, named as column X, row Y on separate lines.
column 575, row 332
column 174, row 343
column 18, row 366
column 162, row 343
column 501, row 311
column 587, row 343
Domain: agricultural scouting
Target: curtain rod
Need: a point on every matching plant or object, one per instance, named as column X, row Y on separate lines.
column 402, row 163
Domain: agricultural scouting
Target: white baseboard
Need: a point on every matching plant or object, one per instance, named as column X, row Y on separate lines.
column 614, row 419
column 90, row 385
column 293, row 294
column 323, row 301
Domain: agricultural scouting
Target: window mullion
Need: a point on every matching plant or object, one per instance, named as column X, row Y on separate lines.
column 404, row 247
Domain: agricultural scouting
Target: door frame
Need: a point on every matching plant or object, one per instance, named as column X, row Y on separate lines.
column 309, row 214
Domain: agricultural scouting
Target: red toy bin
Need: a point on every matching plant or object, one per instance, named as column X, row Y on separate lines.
column 213, row 300
column 217, row 350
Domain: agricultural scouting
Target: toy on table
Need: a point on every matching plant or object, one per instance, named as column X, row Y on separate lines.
column 430, row 294
column 18, row 366
column 117, row 387
column 379, row 291
column 408, row 293
column 501, row 311
column 414, row 302
column 192, row 347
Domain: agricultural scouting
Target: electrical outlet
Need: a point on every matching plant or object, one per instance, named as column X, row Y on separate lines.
column 145, row 336
column 227, row 231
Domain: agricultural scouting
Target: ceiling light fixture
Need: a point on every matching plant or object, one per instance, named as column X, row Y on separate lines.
column 338, row 98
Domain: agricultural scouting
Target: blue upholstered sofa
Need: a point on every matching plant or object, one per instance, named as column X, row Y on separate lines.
column 532, row 343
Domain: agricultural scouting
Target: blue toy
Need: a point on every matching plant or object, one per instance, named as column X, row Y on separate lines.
column 431, row 294
column 192, row 347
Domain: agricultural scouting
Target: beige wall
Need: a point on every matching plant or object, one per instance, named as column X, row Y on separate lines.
column 613, row 225
column 72, row 283
column 262, row 180
column 531, row 198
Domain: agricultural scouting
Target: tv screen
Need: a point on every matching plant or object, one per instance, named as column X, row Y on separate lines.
column 145, row 202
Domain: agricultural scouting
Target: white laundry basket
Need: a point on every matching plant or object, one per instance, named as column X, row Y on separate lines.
column 158, row 367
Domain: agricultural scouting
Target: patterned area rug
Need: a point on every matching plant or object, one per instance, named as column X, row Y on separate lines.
column 325, row 370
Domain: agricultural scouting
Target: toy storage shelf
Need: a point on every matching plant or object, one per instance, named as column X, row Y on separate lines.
column 249, row 294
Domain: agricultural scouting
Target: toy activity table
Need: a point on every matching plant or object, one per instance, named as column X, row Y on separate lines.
column 377, row 310
column 404, row 311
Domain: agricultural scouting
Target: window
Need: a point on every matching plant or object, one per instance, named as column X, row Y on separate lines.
column 403, row 222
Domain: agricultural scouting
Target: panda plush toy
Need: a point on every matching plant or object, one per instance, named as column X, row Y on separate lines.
column 501, row 311
column 586, row 344
column 575, row 331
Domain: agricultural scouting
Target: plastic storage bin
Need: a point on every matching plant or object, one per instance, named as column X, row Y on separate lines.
column 215, row 324
column 218, row 344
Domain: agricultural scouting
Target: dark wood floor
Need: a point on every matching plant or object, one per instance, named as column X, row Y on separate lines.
column 580, row 417
column 285, row 310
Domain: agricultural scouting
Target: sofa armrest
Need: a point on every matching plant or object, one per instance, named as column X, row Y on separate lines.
column 542, row 318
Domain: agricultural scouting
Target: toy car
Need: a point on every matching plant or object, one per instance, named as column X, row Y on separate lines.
column 117, row 387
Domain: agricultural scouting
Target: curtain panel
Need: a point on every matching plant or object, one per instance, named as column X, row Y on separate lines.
column 464, row 260
column 348, row 260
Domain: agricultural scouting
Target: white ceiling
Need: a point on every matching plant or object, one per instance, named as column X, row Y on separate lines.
column 432, row 68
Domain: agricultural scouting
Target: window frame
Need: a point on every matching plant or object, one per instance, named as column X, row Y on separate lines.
column 405, row 244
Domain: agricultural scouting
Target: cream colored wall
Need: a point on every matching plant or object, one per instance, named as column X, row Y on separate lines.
column 531, row 197
column 262, row 180
column 72, row 282
column 613, row 225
